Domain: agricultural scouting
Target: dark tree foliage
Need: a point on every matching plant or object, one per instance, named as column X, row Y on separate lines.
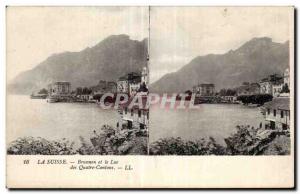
column 78, row 91
column 227, row 92
column 285, row 89
column 255, row 99
column 43, row 91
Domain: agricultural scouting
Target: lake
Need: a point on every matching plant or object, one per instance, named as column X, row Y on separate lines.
column 215, row 120
column 37, row 118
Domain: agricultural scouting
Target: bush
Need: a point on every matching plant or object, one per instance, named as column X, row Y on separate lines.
column 177, row 146
column 40, row 146
column 240, row 142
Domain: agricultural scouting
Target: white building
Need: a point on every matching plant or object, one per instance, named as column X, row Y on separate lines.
column 271, row 85
column 204, row 90
column 59, row 89
column 131, row 83
column 145, row 76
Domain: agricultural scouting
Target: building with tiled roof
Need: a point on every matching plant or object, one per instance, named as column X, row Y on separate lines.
column 277, row 113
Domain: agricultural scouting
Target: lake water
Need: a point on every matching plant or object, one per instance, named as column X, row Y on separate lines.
column 215, row 120
column 37, row 118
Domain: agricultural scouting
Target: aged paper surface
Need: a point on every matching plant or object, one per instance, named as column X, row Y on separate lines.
column 150, row 97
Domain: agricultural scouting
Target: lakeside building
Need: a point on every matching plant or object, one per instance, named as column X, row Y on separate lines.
column 204, row 89
column 59, row 89
column 271, row 85
column 136, row 86
column 135, row 117
column 276, row 89
column 104, row 87
column 277, row 114
column 131, row 83
column 248, row 89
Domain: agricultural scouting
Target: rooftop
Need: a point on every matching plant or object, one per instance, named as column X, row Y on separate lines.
column 281, row 103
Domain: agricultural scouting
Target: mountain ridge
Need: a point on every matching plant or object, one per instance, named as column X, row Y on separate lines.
column 109, row 59
column 251, row 61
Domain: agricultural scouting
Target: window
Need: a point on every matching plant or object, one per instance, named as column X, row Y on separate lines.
column 139, row 113
column 281, row 113
column 274, row 113
column 131, row 112
column 268, row 111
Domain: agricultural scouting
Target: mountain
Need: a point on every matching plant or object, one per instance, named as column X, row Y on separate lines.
column 108, row 60
column 251, row 62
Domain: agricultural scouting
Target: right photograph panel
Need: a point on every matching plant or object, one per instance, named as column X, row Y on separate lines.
column 221, row 81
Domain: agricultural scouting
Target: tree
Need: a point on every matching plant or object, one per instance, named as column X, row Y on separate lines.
column 43, row 91
column 285, row 88
column 227, row 92
column 78, row 91
column 255, row 99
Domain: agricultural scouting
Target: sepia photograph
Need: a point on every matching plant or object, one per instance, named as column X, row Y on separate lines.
column 64, row 64
column 233, row 64
column 150, row 97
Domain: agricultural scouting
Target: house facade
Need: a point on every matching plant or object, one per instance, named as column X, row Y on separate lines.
column 204, row 90
column 276, row 89
column 122, row 85
column 272, row 85
column 134, row 114
column 131, row 82
column 265, row 86
column 145, row 76
column 277, row 114
column 59, row 89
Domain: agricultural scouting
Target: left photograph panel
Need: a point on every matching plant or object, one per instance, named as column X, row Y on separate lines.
column 77, row 80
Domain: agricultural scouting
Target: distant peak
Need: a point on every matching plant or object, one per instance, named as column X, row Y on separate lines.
column 119, row 36
column 266, row 39
column 256, row 43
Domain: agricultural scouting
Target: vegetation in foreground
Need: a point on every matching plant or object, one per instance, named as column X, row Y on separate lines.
column 246, row 141
column 40, row 146
column 108, row 141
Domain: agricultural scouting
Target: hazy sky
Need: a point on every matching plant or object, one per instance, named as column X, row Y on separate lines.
column 180, row 34
column 35, row 33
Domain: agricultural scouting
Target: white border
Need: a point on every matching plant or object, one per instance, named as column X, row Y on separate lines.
column 3, row 3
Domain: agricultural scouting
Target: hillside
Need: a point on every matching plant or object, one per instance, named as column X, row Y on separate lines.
column 108, row 60
column 252, row 61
